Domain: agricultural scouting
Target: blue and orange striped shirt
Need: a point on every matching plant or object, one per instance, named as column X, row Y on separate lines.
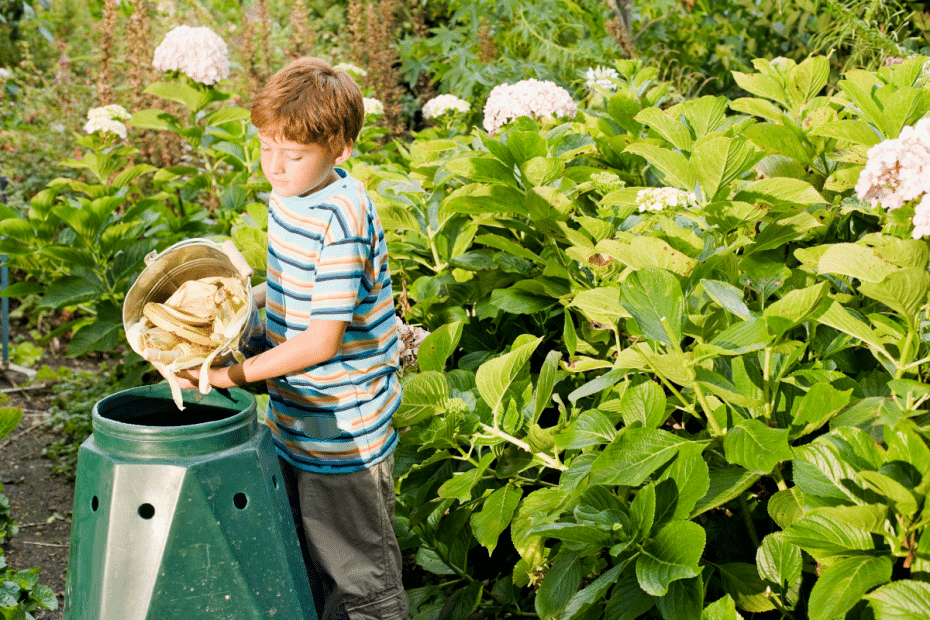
column 327, row 259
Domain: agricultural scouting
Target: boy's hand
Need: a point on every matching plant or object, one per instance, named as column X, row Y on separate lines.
column 187, row 379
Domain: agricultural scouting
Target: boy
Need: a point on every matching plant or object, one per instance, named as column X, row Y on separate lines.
column 330, row 328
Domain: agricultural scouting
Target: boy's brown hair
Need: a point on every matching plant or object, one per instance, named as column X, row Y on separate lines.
column 311, row 103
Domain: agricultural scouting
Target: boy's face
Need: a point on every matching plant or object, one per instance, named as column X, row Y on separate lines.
column 296, row 169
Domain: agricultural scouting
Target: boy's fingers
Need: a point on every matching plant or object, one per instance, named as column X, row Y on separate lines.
column 238, row 260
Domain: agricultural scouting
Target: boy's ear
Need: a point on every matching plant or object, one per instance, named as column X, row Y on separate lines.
column 344, row 154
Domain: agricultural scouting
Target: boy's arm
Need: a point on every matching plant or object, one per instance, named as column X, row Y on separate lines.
column 258, row 294
column 317, row 344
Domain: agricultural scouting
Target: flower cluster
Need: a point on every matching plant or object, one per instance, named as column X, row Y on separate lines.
column 5, row 74
column 898, row 171
column 438, row 106
column 373, row 107
column 606, row 182
column 409, row 339
column 354, row 70
column 535, row 98
column 107, row 119
column 197, row 52
column 601, row 77
column 659, row 198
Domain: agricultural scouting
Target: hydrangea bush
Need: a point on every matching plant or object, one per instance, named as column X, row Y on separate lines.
column 537, row 99
column 197, row 52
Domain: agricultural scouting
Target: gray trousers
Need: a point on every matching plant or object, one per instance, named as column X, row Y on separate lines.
column 346, row 526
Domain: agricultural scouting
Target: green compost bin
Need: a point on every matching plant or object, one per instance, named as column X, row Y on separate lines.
column 182, row 514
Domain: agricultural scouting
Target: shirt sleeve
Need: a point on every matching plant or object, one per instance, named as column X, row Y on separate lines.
column 340, row 266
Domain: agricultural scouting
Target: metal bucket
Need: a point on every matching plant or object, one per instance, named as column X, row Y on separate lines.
column 186, row 260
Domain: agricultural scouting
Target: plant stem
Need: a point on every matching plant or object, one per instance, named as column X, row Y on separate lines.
column 554, row 464
column 747, row 519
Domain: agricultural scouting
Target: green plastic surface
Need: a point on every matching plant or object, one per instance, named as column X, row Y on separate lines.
column 182, row 514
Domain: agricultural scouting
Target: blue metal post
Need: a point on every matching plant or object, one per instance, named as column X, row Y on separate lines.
column 4, row 282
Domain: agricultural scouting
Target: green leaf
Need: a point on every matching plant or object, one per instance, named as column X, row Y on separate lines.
column 843, row 584
column 785, row 507
column 725, row 485
column 423, row 397
column 671, row 129
column 672, row 554
column 494, row 517
column 630, row 459
column 477, row 198
column 591, row 594
column 459, row 486
column 856, row 261
column 482, row 169
column 762, row 86
column 601, row 304
column 780, row 191
column 229, row 114
column 520, row 301
column 559, row 586
column 132, row 173
column 509, row 246
column 684, row 600
column 644, row 403
column 904, row 290
column 756, row 446
column 9, row 418
column 741, row 581
column 190, row 97
column 904, row 599
column 899, row 495
column 682, row 483
column 495, row 376
column 723, row 608
column 590, row 428
column 857, row 132
column 463, row 601
column 69, row 291
column 673, row 166
column 643, row 510
column 792, row 309
column 104, row 334
column 654, row 298
column 823, row 537
column 541, row 171
column 545, row 383
column 779, row 562
column 727, row 297
column 438, row 346
column 838, row 317
column 777, row 234
column 158, row 120
column 819, row 405
column 627, row 600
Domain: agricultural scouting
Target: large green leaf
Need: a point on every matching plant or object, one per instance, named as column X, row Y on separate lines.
column 727, row 296
column 644, row 403
column 823, row 537
column 671, row 129
column 818, row 406
column 756, row 446
column 496, row 514
column 591, row 594
column 559, row 586
column 495, row 376
column 672, row 554
column 684, row 600
column 481, row 169
column 681, row 484
column 630, row 459
column 438, row 346
column 601, row 304
column 843, row 584
column 905, row 599
column 904, row 290
column 654, row 298
column 741, row 581
column 423, row 398
column 780, row 191
column 673, row 166
column 723, row 608
column 779, row 562
column 725, row 485
column 627, row 600
column 9, row 418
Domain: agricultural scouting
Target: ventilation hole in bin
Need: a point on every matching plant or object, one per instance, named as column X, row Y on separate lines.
column 94, row 503
column 240, row 500
column 146, row 511
column 274, row 481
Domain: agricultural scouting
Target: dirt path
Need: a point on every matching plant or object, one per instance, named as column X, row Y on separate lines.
column 40, row 501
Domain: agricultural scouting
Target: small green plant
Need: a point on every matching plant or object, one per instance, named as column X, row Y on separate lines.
column 73, row 400
column 20, row 591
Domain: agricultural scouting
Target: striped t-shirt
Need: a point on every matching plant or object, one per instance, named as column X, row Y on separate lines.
column 327, row 259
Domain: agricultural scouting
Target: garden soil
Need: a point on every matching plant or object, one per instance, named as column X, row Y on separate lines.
column 40, row 500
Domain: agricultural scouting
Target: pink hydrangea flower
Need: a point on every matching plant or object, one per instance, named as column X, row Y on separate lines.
column 197, row 52
column 534, row 98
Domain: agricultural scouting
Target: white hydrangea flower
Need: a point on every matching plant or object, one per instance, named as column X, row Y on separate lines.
column 921, row 219
column 437, row 106
column 373, row 107
column 105, row 125
column 534, row 98
column 197, row 52
column 601, row 77
column 113, row 111
column 898, row 169
column 409, row 339
column 5, row 74
column 353, row 70
column 659, row 198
